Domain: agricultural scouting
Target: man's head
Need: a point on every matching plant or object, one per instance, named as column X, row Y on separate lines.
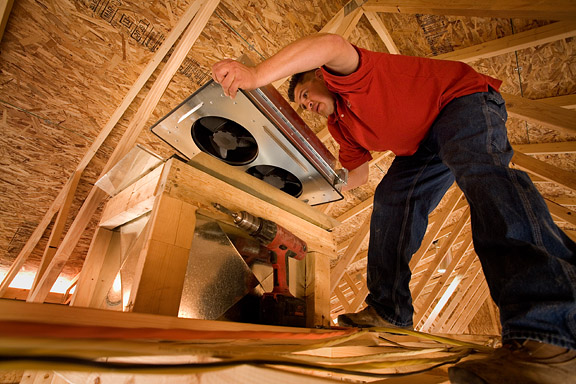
column 310, row 92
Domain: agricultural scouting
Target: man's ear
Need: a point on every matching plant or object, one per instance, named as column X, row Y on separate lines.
column 319, row 74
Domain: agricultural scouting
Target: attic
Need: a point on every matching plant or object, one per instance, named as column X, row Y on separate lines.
column 82, row 81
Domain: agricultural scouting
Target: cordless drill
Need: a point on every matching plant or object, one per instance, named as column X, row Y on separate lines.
column 278, row 307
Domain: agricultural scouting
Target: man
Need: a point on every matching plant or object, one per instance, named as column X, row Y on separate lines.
column 445, row 123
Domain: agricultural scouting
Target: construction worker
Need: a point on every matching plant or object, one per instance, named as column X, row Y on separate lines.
column 445, row 122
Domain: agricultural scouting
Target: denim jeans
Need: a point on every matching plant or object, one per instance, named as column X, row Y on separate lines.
column 529, row 263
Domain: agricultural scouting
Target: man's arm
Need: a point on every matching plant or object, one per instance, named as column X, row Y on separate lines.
column 357, row 177
column 314, row 51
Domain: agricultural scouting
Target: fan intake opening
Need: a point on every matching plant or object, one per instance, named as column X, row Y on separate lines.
column 225, row 140
column 277, row 177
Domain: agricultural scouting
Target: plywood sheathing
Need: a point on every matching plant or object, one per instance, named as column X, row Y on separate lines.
column 66, row 66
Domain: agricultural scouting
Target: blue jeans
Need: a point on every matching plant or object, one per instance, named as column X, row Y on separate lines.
column 529, row 263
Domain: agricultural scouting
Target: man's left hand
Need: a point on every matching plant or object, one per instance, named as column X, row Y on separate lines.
column 232, row 75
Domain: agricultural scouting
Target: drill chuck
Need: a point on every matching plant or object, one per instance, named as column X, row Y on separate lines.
column 263, row 230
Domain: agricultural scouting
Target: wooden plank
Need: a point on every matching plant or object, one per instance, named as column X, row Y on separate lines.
column 96, row 196
column 5, row 8
column 346, row 259
column 440, row 256
column 464, row 304
column 518, row 41
column 382, row 32
column 560, row 212
column 545, row 170
column 546, row 148
column 433, row 232
column 356, row 210
column 342, row 299
column 442, row 283
column 262, row 190
column 546, row 10
column 58, row 228
column 566, row 101
column 474, row 305
column 351, row 283
column 11, row 310
column 439, row 306
column 90, row 274
column 550, row 116
column 343, row 19
column 356, row 304
column 317, row 290
column 449, row 313
column 159, row 283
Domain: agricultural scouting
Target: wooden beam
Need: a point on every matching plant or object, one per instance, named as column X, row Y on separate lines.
column 57, row 230
column 317, row 290
column 356, row 210
column 382, row 31
column 474, row 305
column 550, row 116
column 134, row 201
column 441, row 255
column 5, row 8
column 527, row 9
column 241, row 180
column 96, row 196
column 566, row 101
column 90, row 274
column 470, row 290
column 342, row 23
column 346, row 259
column 360, row 297
column 445, row 316
column 560, row 212
column 545, row 170
column 442, row 283
column 531, row 38
column 546, row 148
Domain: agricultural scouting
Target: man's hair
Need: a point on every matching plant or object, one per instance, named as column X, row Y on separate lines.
column 296, row 79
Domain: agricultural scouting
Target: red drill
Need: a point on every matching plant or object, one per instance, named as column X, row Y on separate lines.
column 277, row 239
column 279, row 306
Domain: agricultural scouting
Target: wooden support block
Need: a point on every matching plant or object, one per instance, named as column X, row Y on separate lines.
column 317, row 290
column 160, row 278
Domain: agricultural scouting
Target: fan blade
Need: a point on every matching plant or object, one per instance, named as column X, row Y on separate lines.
column 220, row 150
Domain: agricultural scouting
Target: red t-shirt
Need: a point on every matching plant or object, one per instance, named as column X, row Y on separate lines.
column 391, row 101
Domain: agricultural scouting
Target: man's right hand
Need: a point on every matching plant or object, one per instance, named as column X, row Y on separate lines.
column 232, row 75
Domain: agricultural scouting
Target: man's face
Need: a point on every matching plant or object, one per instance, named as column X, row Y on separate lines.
column 313, row 95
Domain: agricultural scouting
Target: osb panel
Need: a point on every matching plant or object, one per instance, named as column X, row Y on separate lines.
column 65, row 66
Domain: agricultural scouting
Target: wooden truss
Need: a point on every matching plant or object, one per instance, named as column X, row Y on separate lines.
column 460, row 290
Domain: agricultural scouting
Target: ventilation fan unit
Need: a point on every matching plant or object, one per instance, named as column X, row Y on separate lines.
column 259, row 132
